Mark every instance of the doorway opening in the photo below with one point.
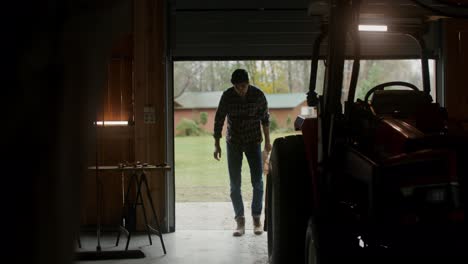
(202, 183)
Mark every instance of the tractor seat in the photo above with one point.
(401, 102)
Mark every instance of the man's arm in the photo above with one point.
(266, 133)
(218, 126)
(265, 120)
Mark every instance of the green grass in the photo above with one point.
(201, 178)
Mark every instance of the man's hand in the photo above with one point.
(217, 152)
(267, 147)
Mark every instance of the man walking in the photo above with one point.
(246, 109)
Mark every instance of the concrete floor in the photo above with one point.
(203, 235)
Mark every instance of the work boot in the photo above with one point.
(258, 230)
(240, 229)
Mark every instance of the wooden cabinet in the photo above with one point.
(117, 96)
(135, 81)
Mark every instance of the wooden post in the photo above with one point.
(149, 94)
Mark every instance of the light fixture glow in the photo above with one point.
(373, 28)
(111, 123)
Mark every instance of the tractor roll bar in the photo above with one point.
(312, 99)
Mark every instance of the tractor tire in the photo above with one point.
(290, 200)
(311, 256)
(268, 214)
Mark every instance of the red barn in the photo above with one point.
(281, 106)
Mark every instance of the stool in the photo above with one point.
(139, 178)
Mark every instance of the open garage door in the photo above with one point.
(211, 30)
(272, 29)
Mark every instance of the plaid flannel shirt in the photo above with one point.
(244, 116)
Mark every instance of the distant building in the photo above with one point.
(190, 104)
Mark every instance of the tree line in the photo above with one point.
(289, 76)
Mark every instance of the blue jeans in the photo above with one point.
(254, 158)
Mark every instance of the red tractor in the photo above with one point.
(378, 182)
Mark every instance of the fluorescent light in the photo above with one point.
(111, 123)
(374, 28)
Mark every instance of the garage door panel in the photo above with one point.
(245, 4)
(246, 22)
(269, 33)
